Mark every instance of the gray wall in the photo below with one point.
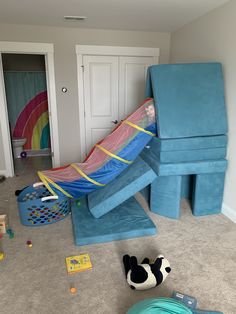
(64, 40)
(210, 38)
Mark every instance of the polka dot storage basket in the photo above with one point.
(38, 207)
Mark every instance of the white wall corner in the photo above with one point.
(229, 212)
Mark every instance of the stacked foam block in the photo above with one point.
(192, 140)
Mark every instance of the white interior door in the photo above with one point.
(100, 97)
(132, 81)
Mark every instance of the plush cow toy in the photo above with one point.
(145, 275)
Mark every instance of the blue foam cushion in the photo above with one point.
(190, 155)
(128, 220)
(189, 99)
(208, 194)
(135, 178)
(166, 196)
(183, 168)
(178, 144)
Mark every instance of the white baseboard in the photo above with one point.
(229, 212)
(38, 152)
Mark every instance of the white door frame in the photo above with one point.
(29, 48)
(82, 50)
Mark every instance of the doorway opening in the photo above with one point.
(27, 107)
(44, 52)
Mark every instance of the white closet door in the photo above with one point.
(100, 97)
(132, 80)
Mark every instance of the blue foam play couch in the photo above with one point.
(192, 137)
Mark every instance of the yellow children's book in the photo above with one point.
(78, 263)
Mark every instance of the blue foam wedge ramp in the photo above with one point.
(128, 220)
(135, 178)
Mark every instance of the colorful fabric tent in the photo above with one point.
(107, 159)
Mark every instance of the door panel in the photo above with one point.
(98, 134)
(100, 96)
(114, 86)
(132, 82)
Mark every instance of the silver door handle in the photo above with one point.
(115, 122)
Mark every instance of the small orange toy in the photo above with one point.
(73, 290)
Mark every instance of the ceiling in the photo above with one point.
(138, 15)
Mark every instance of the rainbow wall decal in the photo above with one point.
(33, 123)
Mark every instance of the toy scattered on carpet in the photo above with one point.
(29, 243)
(4, 226)
(10, 233)
(145, 275)
(188, 300)
(178, 304)
(2, 255)
(3, 223)
(73, 290)
(78, 263)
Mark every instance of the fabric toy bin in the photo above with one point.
(38, 207)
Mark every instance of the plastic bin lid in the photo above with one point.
(189, 99)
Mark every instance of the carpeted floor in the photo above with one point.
(201, 251)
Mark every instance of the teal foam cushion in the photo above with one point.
(183, 168)
(189, 99)
(190, 155)
(128, 220)
(136, 177)
(178, 144)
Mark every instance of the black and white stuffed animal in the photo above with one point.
(145, 275)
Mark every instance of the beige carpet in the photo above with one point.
(201, 251)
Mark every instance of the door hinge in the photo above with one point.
(82, 66)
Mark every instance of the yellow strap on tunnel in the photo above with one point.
(85, 175)
(45, 181)
(113, 155)
(138, 128)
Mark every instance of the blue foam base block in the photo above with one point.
(132, 180)
(208, 194)
(183, 168)
(128, 220)
(165, 196)
(191, 143)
